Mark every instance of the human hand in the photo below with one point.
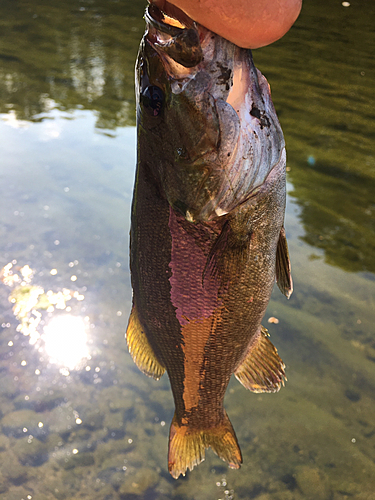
(247, 23)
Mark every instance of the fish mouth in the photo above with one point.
(177, 36)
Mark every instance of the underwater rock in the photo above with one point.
(15, 473)
(370, 354)
(364, 495)
(287, 495)
(81, 434)
(9, 388)
(313, 483)
(350, 489)
(162, 397)
(112, 463)
(3, 483)
(92, 419)
(17, 493)
(4, 443)
(116, 399)
(54, 443)
(353, 395)
(113, 452)
(83, 446)
(61, 486)
(30, 452)
(115, 425)
(39, 404)
(116, 479)
(113, 471)
(137, 484)
(76, 460)
(165, 489)
(24, 422)
(62, 420)
(104, 492)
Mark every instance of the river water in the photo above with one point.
(77, 418)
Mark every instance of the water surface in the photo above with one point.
(78, 420)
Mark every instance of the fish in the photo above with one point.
(207, 238)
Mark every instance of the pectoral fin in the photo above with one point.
(187, 446)
(140, 349)
(214, 263)
(228, 254)
(283, 269)
(262, 370)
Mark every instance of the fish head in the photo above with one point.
(206, 124)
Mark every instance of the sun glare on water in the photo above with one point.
(65, 340)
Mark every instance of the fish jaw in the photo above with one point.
(217, 131)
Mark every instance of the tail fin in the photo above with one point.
(187, 446)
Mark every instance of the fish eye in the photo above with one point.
(152, 99)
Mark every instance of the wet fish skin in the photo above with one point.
(207, 235)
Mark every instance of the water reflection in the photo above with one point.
(339, 217)
(88, 74)
(11, 120)
(326, 64)
(79, 55)
(82, 57)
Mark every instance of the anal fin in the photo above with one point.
(140, 349)
(283, 268)
(187, 446)
(262, 370)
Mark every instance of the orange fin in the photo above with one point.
(140, 349)
(187, 446)
(262, 370)
(283, 268)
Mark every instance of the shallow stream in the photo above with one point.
(77, 418)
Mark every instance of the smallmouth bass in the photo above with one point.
(207, 236)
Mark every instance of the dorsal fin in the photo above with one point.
(283, 268)
(140, 349)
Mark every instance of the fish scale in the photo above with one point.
(207, 237)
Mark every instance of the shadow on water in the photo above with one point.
(77, 418)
